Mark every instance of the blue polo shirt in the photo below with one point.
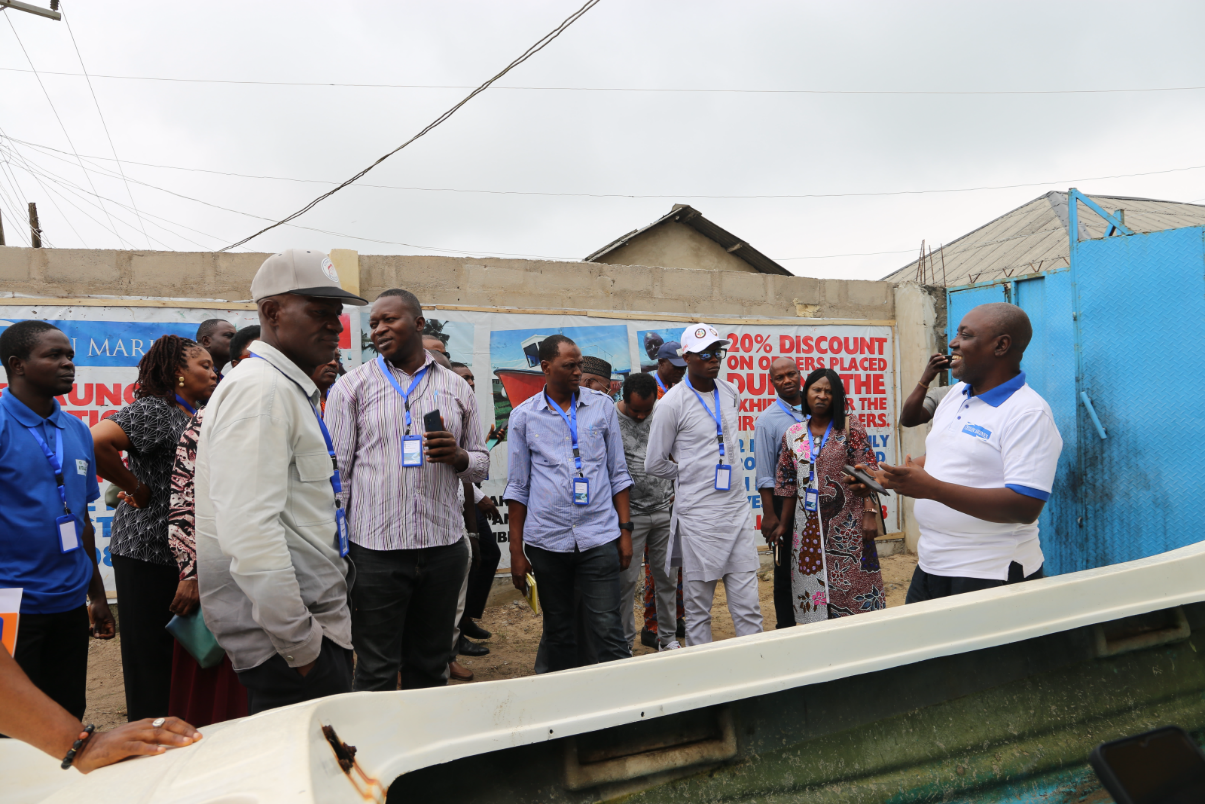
(30, 553)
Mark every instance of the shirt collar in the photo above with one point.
(542, 401)
(427, 360)
(1000, 394)
(287, 367)
(23, 414)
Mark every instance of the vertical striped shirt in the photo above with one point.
(391, 507)
(541, 470)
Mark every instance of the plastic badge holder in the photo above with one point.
(196, 638)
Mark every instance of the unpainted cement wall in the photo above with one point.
(490, 283)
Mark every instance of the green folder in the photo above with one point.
(196, 638)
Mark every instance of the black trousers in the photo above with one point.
(52, 649)
(144, 592)
(274, 684)
(404, 614)
(481, 579)
(931, 587)
(784, 602)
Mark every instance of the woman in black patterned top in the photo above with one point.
(175, 377)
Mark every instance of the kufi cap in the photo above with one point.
(597, 366)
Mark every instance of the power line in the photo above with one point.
(17, 153)
(59, 119)
(684, 90)
(546, 40)
(105, 125)
(868, 194)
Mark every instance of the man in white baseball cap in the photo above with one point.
(710, 536)
(271, 542)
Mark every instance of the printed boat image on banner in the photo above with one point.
(516, 360)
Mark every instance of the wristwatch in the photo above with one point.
(626, 526)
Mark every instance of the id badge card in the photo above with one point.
(341, 527)
(412, 451)
(811, 499)
(581, 491)
(70, 532)
(723, 477)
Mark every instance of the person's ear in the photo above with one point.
(269, 311)
(15, 367)
(420, 323)
(1004, 344)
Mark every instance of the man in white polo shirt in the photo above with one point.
(989, 465)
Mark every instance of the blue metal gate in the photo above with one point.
(1101, 354)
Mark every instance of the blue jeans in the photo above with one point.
(595, 573)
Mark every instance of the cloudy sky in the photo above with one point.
(854, 101)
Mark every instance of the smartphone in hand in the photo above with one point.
(1155, 767)
(433, 422)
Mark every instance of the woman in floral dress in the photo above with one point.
(834, 563)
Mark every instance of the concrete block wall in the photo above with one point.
(524, 284)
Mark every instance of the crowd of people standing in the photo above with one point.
(325, 530)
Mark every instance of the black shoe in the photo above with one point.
(648, 638)
(681, 632)
(466, 648)
(473, 630)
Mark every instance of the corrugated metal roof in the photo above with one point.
(1033, 238)
(689, 216)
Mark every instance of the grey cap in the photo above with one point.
(304, 273)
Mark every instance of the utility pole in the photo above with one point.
(1, 230)
(51, 13)
(35, 231)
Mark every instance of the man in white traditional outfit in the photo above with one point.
(693, 442)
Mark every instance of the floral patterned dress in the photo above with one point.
(834, 568)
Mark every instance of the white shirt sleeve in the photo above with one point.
(1030, 448)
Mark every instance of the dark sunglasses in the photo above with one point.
(718, 354)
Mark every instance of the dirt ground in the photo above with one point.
(516, 636)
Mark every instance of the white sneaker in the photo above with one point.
(671, 646)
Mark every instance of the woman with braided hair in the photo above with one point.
(175, 377)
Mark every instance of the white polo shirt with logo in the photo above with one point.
(1004, 438)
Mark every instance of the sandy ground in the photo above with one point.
(516, 636)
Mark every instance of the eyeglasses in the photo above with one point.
(718, 354)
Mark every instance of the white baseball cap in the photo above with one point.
(697, 337)
(304, 273)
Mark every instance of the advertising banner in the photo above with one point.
(500, 349)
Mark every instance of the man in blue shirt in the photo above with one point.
(47, 544)
(768, 430)
(567, 496)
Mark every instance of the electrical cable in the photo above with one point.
(546, 40)
(103, 124)
(700, 90)
(16, 152)
(55, 110)
(870, 194)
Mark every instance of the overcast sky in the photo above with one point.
(666, 147)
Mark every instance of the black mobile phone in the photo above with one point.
(864, 478)
(433, 422)
(1163, 766)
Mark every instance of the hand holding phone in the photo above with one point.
(862, 477)
(439, 445)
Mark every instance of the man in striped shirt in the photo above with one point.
(400, 490)
(567, 494)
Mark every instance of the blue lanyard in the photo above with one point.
(185, 405)
(719, 422)
(790, 411)
(55, 458)
(571, 423)
(336, 482)
(816, 452)
(660, 385)
(393, 381)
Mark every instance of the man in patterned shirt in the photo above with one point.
(400, 486)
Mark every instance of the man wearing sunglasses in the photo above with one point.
(693, 441)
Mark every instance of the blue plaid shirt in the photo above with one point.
(541, 471)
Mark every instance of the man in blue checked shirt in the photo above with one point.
(567, 495)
